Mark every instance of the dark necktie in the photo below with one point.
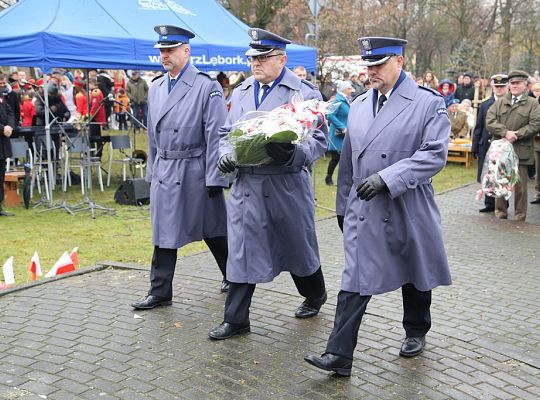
(171, 84)
(265, 89)
(381, 102)
(514, 100)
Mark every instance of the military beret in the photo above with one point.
(517, 74)
(499, 80)
(377, 50)
(172, 36)
(263, 42)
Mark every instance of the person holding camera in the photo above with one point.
(338, 126)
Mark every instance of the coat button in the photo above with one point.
(178, 183)
(383, 155)
(246, 194)
(386, 219)
(361, 218)
(411, 181)
(160, 181)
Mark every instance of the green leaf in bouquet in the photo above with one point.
(283, 137)
(251, 151)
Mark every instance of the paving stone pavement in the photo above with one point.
(77, 338)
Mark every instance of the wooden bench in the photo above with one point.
(11, 188)
(460, 153)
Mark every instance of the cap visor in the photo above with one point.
(167, 46)
(257, 52)
(370, 63)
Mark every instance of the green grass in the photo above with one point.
(126, 236)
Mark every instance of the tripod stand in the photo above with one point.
(63, 204)
(87, 161)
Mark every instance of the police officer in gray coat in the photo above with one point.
(397, 140)
(186, 110)
(271, 225)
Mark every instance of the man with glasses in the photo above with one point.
(516, 117)
(271, 225)
(397, 140)
(186, 110)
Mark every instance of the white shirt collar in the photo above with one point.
(386, 94)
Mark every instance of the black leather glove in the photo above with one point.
(280, 152)
(340, 219)
(370, 187)
(214, 191)
(227, 163)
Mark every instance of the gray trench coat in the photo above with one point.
(270, 218)
(395, 238)
(183, 146)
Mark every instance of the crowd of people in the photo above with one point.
(104, 97)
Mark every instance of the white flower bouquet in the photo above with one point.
(290, 123)
(500, 172)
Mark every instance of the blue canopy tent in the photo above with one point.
(118, 34)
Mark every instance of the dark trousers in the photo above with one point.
(489, 202)
(333, 163)
(2, 176)
(240, 294)
(351, 308)
(164, 263)
(122, 121)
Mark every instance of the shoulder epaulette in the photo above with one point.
(308, 83)
(432, 91)
(157, 77)
(362, 96)
(206, 74)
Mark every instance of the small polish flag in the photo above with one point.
(63, 265)
(35, 266)
(7, 269)
(75, 257)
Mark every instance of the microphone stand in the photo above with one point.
(48, 188)
(86, 160)
(46, 193)
(63, 204)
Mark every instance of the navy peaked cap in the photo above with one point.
(172, 36)
(377, 50)
(263, 42)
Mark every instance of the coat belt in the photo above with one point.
(176, 155)
(358, 181)
(269, 170)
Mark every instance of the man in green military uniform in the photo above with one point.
(516, 117)
(458, 120)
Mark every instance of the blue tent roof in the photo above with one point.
(118, 34)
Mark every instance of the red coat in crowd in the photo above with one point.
(28, 111)
(81, 103)
(97, 109)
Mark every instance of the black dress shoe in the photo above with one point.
(150, 302)
(536, 201)
(224, 286)
(310, 308)
(486, 209)
(412, 346)
(226, 330)
(331, 362)
(328, 180)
